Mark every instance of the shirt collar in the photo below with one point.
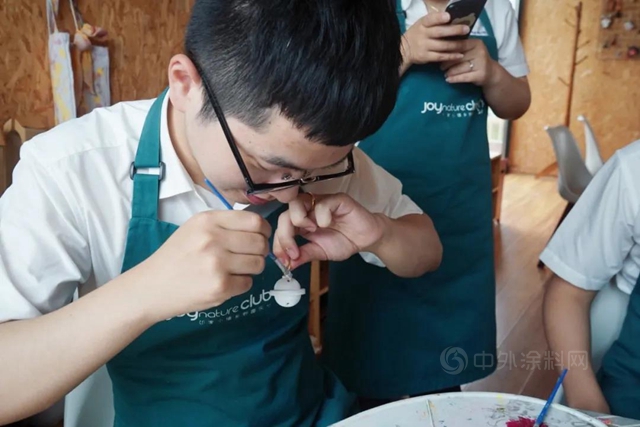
(176, 180)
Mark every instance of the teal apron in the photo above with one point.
(619, 376)
(386, 336)
(248, 362)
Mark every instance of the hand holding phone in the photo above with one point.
(476, 66)
(465, 12)
(429, 40)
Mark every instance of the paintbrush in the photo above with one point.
(547, 405)
(285, 271)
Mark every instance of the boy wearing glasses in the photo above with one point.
(271, 95)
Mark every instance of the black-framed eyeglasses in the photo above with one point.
(264, 188)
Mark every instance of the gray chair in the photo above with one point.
(573, 175)
(592, 157)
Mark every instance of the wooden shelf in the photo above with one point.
(318, 287)
(498, 170)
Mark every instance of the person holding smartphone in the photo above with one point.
(389, 337)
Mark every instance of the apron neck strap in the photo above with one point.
(402, 16)
(486, 23)
(147, 170)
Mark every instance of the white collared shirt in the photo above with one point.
(505, 28)
(64, 220)
(599, 240)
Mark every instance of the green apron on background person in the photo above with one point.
(386, 336)
(248, 362)
(619, 376)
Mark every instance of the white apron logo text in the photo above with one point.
(251, 305)
(454, 110)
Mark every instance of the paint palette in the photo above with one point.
(468, 410)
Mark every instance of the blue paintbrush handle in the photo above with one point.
(215, 191)
(285, 271)
(543, 413)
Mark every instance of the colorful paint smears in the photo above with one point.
(523, 422)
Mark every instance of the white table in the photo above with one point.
(471, 409)
(613, 421)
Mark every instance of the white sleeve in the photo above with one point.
(505, 25)
(371, 186)
(43, 253)
(591, 244)
(374, 188)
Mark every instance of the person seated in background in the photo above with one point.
(599, 242)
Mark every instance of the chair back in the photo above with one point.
(592, 158)
(573, 175)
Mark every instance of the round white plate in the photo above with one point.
(467, 409)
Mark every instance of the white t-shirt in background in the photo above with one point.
(600, 238)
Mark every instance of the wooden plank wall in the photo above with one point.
(606, 92)
(143, 35)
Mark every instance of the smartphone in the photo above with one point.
(465, 12)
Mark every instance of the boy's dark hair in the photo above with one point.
(330, 66)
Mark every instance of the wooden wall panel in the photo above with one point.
(24, 75)
(606, 92)
(622, 32)
(143, 35)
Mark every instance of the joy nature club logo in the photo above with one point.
(468, 109)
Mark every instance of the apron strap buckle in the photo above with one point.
(159, 171)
